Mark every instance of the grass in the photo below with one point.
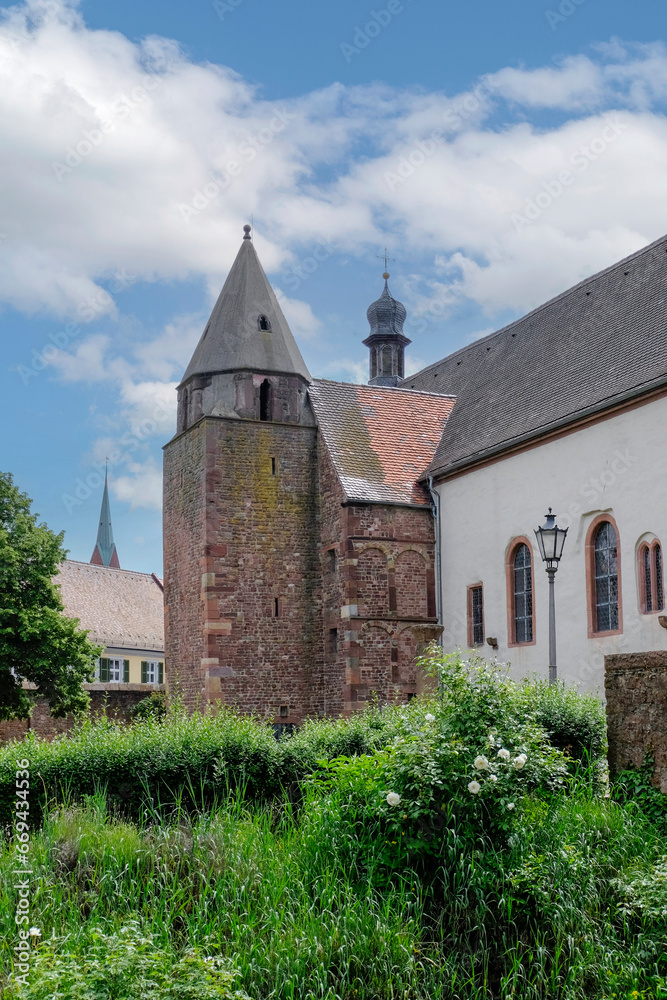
(258, 886)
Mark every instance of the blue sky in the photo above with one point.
(501, 152)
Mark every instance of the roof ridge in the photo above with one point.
(543, 305)
(112, 569)
(386, 388)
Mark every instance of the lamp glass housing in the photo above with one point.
(550, 540)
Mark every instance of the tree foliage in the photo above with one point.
(38, 643)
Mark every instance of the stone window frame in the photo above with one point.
(591, 593)
(509, 577)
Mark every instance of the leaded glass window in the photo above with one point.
(659, 584)
(477, 615)
(606, 578)
(523, 595)
(648, 586)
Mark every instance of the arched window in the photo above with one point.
(523, 594)
(265, 400)
(651, 580)
(387, 361)
(263, 323)
(605, 567)
(374, 362)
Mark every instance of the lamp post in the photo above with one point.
(551, 539)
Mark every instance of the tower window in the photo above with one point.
(387, 361)
(331, 556)
(273, 466)
(333, 641)
(265, 400)
(276, 607)
(263, 323)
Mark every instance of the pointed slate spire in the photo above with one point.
(105, 553)
(247, 329)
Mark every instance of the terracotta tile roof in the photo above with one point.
(380, 440)
(121, 609)
(598, 344)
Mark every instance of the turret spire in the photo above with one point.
(105, 553)
(386, 340)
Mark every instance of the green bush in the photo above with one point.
(152, 707)
(121, 966)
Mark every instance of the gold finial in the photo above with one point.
(385, 275)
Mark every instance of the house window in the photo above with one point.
(475, 615)
(651, 581)
(606, 578)
(522, 602)
(112, 670)
(152, 672)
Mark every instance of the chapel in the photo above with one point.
(318, 534)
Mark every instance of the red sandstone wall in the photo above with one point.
(260, 546)
(636, 692)
(184, 558)
(117, 705)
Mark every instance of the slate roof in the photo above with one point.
(600, 343)
(380, 440)
(121, 609)
(232, 340)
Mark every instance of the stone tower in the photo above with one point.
(240, 510)
(386, 341)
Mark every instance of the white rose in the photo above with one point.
(510, 805)
(519, 762)
(481, 763)
(504, 754)
(492, 777)
(393, 798)
(474, 787)
(429, 717)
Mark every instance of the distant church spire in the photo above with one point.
(105, 553)
(386, 341)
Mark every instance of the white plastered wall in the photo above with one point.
(617, 465)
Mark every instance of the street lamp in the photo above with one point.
(551, 539)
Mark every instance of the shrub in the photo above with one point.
(152, 707)
(122, 966)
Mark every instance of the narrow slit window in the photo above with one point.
(331, 556)
(265, 400)
(333, 641)
(475, 615)
(276, 607)
(273, 466)
(659, 579)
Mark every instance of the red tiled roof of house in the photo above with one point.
(120, 608)
(381, 440)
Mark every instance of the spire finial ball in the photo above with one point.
(246, 230)
(385, 275)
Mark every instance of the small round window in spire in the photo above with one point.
(263, 323)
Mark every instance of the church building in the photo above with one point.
(318, 534)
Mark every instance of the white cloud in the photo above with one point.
(140, 485)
